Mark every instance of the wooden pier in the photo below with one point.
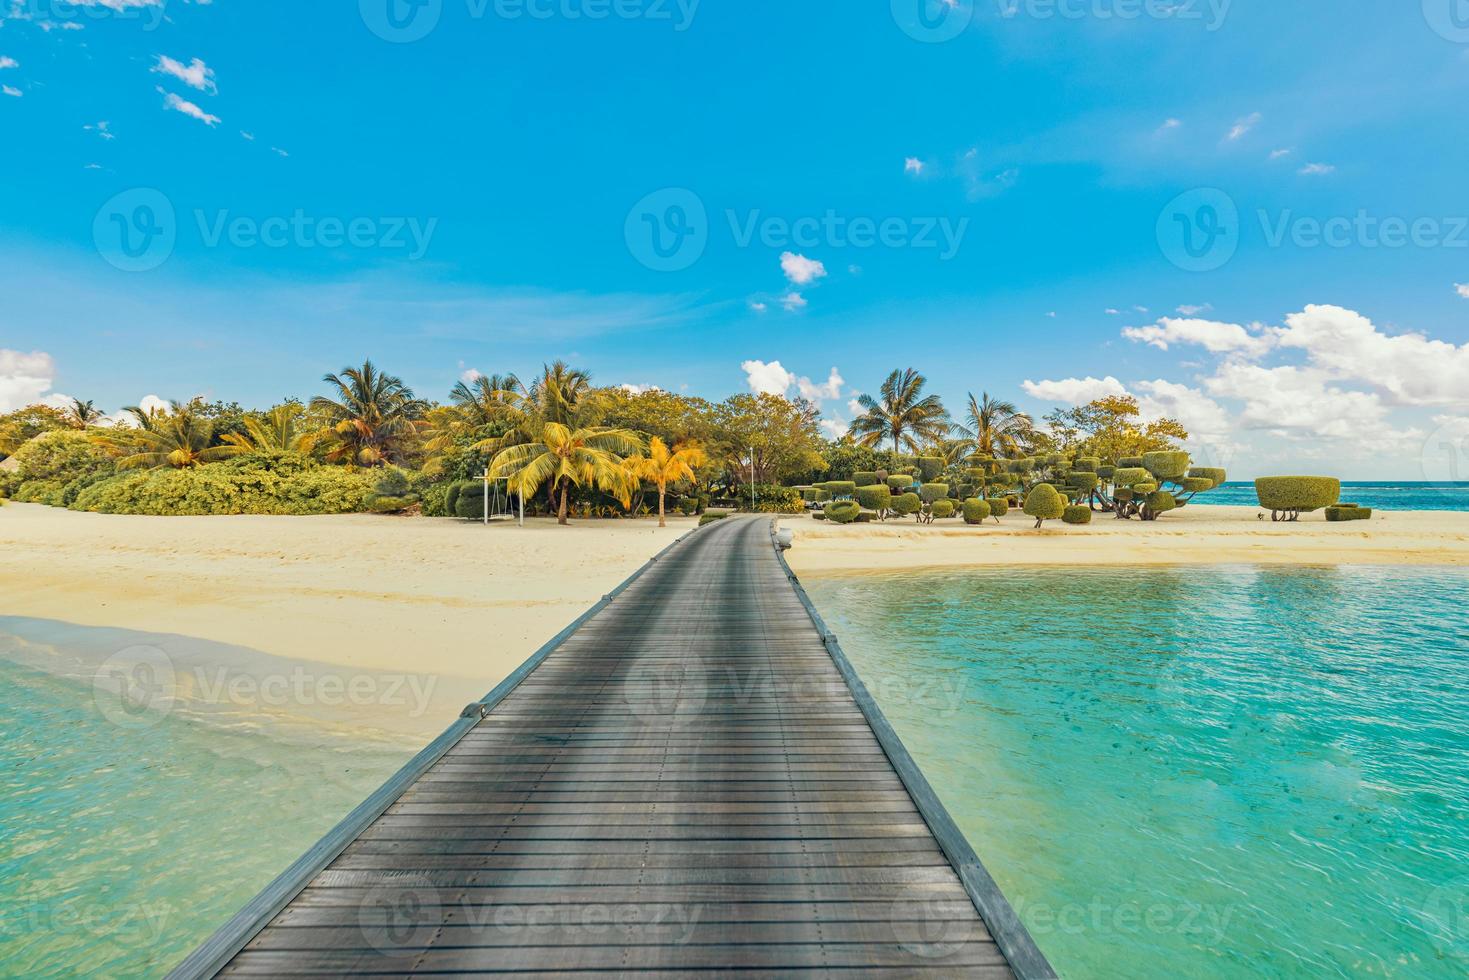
(688, 779)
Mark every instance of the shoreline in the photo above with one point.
(418, 616)
(1214, 535)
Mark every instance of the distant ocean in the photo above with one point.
(1380, 495)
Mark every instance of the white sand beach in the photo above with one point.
(453, 601)
(1192, 536)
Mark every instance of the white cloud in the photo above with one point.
(248, 136)
(1188, 310)
(831, 388)
(913, 165)
(854, 406)
(1215, 337)
(1462, 289)
(26, 379)
(834, 428)
(801, 270)
(767, 379)
(1170, 124)
(196, 74)
(6, 62)
(1074, 391)
(1279, 154)
(1243, 126)
(1052, 314)
(279, 152)
(1112, 312)
(1299, 401)
(1317, 170)
(171, 101)
(639, 389)
(101, 129)
(759, 307)
(13, 92)
(1206, 420)
(793, 302)
(469, 376)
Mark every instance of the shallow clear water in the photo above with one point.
(1196, 772)
(122, 847)
(1380, 495)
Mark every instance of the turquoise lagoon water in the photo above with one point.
(122, 847)
(1194, 773)
(1380, 495)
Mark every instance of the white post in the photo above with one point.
(487, 496)
(521, 498)
(752, 479)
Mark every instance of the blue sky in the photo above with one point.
(323, 185)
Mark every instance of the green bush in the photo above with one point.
(899, 481)
(470, 502)
(1020, 465)
(393, 492)
(1130, 462)
(876, 497)
(841, 488)
(864, 478)
(1087, 464)
(49, 464)
(772, 498)
(1293, 495)
(929, 467)
(1196, 484)
(1044, 503)
(1130, 476)
(843, 511)
(1158, 502)
(1123, 494)
(436, 499)
(975, 511)
(1167, 466)
(48, 492)
(218, 490)
(908, 503)
(818, 515)
(688, 506)
(1083, 480)
(1348, 512)
(451, 499)
(1214, 475)
(1106, 472)
(943, 508)
(1144, 489)
(1077, 514)
(999, 507)
(931, 492)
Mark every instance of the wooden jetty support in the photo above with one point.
(690, 778)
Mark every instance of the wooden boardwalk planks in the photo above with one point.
(691, 780)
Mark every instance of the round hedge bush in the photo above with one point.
(1130, 476)
(929, 467)
(1087, 464)
(943, 508)
(877, 497)
(1217, 476)
(1077, 514)
(1160, 502)
(1166, 465)
(932, 492)
(841, 488)
(865, 478)
(975, 510)
(1130, 462)
(843, 511)
(999, 506)
(907, 503)
(1297, 494)
(1083, 480)
(1196, 484)
(900, 481)
(1044, 503)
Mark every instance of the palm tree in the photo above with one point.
(564, 457)
(997, 428)
(278, 431)
(487, 399)
(902, 413)
(82, 414)
(663, 466)
(179, 438)
(371, 418)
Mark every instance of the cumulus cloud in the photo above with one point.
(177, 104)
(800, 270)
(26, 379)
(831, 388)
(1317, 170)
(767, 378)
(793, 302)
(7, 62)
(834, 428)
(1213, 336)
(196, 74)
(913, 165)
(14, 93)
(639, 389)
(1243, 126)
(1074, 391)
(1462, 289)
(1188, 310)
(1299, 401)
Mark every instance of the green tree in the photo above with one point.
(22, 425)
(280, 430)
(1111, 428)
(179, 438)
(663, 466)
(373, 418)
(562, 457)
(997, 428)
(902, 413)
(766, 438)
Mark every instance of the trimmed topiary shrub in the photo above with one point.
(710, 516)
(931, 492)
(1214, 475)
(688, 506)
(1077, 514)
(875, 498)
(818, 515)
(843, 511)
(1167, 466)
(900, 481)
(1196, 484)
(1083, 480)
(1158, 502)
(999, 507)
(929, 467)
(943, 508)
(1044, 503)
(975, 510)
(1129, 476)
(1348, 512)
(1288, 497)
(865, 478)
(393, 493)
(841, 489)
(1087, 464)
(1130, 462)
(907, 503)
(469, 503)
